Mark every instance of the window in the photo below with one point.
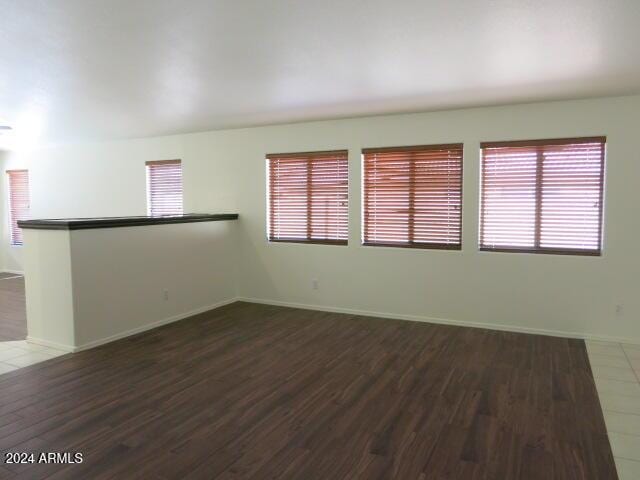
(18, 202)
(164, 188)
(413, 196)
(308, 197)
(543, 196)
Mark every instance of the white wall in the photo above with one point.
(49, 287)
(87, 286)
(10, 255)
(225, 171)
(522, 291)
(120, 275)
(108, 179)
(3, 217)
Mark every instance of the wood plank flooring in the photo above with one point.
(13, 319)
(260, 392)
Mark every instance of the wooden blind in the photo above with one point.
(19, 202)
(164, 187)
(543, 196)
(413, 196)
(308, 197)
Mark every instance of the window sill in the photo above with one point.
(342, 243)
(444, 247)
(581, 253)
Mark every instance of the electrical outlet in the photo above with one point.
(619, 310)
(315, 284)
(165, 294)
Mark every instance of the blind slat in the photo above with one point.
(19, 203)
(543, 196)
(308, 197)
(164, 187)
(413, 196)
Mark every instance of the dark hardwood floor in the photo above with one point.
(13, 319)
(259, 392)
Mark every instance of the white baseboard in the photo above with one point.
(323, 308)
(445, 321)
(151, 326)
(128, 333)
(47, 343)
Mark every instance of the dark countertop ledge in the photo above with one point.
(115, 222)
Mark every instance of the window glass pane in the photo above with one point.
(543, 196)
(308, 197)
(164, 188)
(413, 196)
(19, 203)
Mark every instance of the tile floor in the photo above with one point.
(616, 370)
(19, 353)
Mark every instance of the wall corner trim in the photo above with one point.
(47, 343)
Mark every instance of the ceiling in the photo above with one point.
(78, 70)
